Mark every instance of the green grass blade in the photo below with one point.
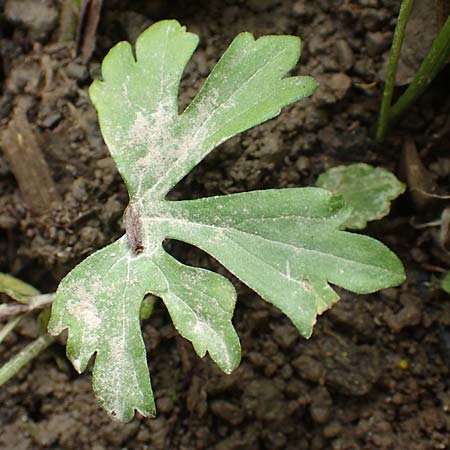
(397, 40)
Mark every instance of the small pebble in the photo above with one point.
(377, 42)
(345, 55)
(331, 430)
(77, 71)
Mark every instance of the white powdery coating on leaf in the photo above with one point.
(164, 149)
(84, 309)
(154, 132)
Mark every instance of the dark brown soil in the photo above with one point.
(375, 374)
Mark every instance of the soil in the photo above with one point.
(375, 374)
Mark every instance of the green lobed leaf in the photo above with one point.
(284, 244)
(201, 305)
(99, 301)
(138, 110)
(368, 190)
(445, 282)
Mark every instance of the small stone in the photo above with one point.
(7, 222)
(111, 210)
(144, 435)
(302, 164)
(79, 189)
(320, 408)
(301, 10)
(409, 316)
(77, 71)
(227, 411)
(270, 369)
(285, 336)
(441, 167)
(309, 368)
(202, 64)
(353, 316)
(332, 88)
(257, 359)
(28, 329)
(332, 430)
(315, 119)
(286, 372)
(296, 388)
(89, 236)
(38, 16)
(329, 64)
(350, 369)
(372, 19)
(315, 44)
(344, 55)
(159, 429)
(326, 28)
(196, 399)
(339, 84)
(364, 68)
(106, 163)
(164, 405)
(390, 294)
(418, 255)
(95, 70)
(319, 413)
(378, 42)
(264, 401)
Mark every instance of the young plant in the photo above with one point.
(368, 190)
(433, 63)
(28, 299)
(285, 244)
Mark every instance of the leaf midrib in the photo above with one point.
(171, 221)
(156, 188)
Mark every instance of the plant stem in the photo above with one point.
(397, 40)
(9, 327)
(430, 67)
(22, 358)
(68, 20)
(37, 302)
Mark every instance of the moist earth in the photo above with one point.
(375, 374)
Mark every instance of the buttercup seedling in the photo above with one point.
(287, 245)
